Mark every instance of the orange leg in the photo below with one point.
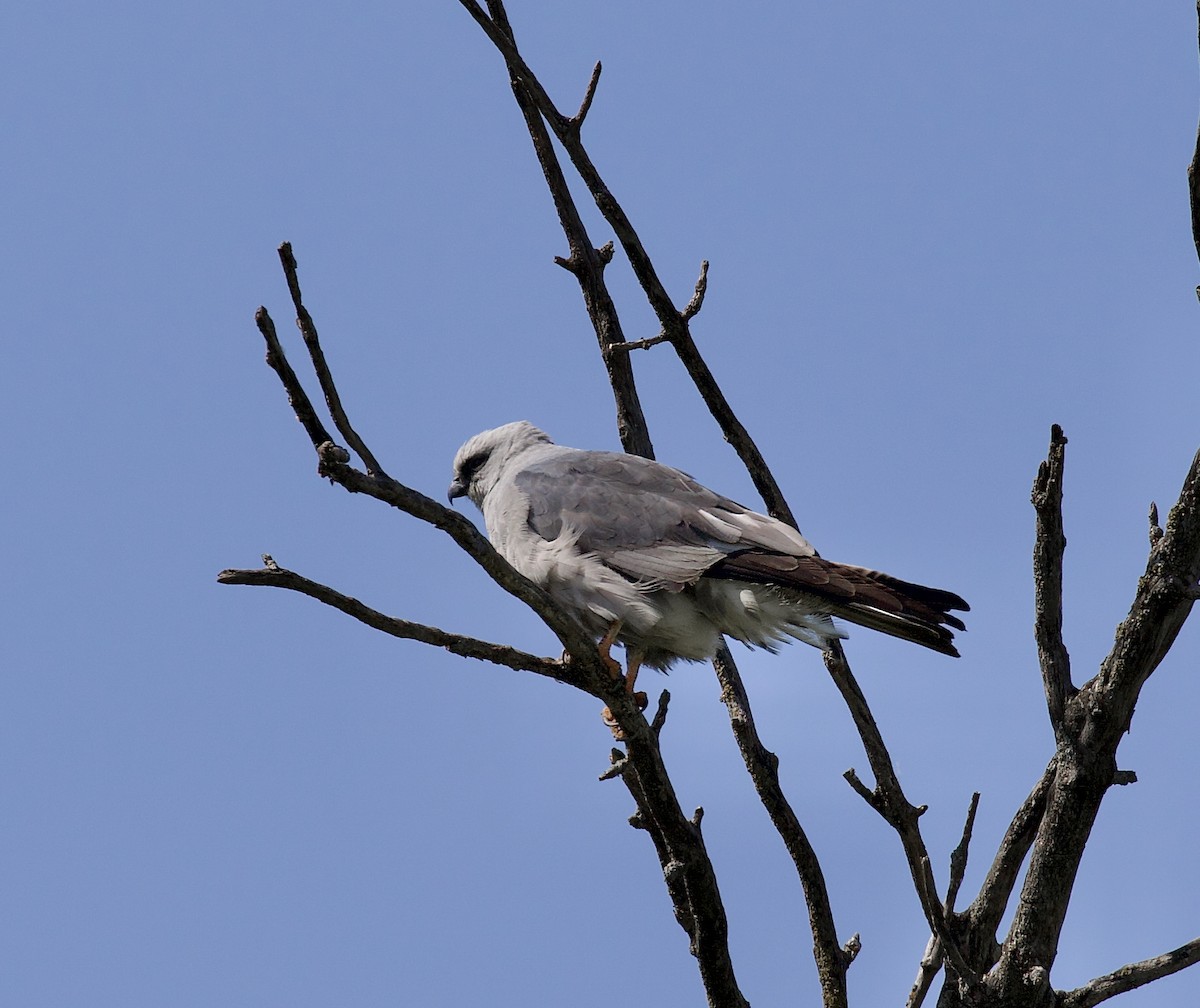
(605, 648)
(633, 664)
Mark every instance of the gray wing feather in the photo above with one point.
(649, 521)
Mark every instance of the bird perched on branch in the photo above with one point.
(644, 555)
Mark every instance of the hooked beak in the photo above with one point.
(457, 489)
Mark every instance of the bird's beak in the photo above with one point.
(456, 490)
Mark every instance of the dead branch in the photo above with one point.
(897, 811)
(333, 465)
(1053, 824)
(763, 765)
(1095, 720)
(983, 916)
(691, 880)
(586, 263)
(333, 400)
(1132, 976)
(1049, 546)
(275, 576)
(673, 321)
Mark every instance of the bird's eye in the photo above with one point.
(471, 465)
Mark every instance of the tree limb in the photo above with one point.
(889, 801)
(763, 765)
(1049, 545)
(673, 321)
(1095, 721)
(586, 263)
(332, 464)
(275, 576)
(1193, 176)
(986, 911)
(332, 399)
(1134, 975)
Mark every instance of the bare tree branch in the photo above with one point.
(586, 262)
(1053, 824)
(1193, 176)
(297, 397)
(691, 881)
(763, 765)
(578, 118)
(332, 464)
(1048, 549)
(692, 308)
(983, 917)
(927, 970)
(889, 801)
(1134, 975)
(931, 960)
(686, 867)
(1095, 720)
(958, 856)
(673, 322)
(468, 647)
(309, 331)
(689, 873)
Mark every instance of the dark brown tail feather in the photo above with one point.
(869, 598)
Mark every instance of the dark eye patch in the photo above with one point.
(470, 466)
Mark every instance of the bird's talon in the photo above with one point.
(610, 722)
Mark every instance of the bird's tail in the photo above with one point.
(869, 598)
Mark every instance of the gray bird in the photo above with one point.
(643, 554)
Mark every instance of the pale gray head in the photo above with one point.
(478, 463)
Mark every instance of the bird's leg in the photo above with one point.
(633, 665)
(633, 659)
(605, 649)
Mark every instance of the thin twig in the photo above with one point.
(309, 331)
(642, 344)
(958, 857)
(692, 309)
(931, 960)
(578, 118)
(660, 714)
(298, 399)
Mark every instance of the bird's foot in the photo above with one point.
(610, 722)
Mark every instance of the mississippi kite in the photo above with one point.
(643, 554)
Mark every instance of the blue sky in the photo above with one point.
(934, 231)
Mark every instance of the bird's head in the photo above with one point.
(479, 462)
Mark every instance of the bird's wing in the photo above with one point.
(652, 523)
